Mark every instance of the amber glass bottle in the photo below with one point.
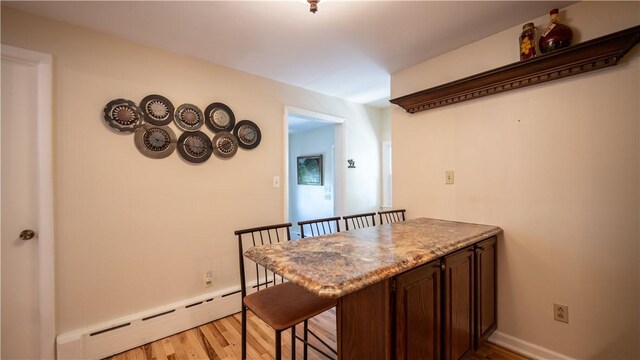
(556, 36)
(528, 42)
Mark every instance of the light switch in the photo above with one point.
(276, 182)
(448, 177)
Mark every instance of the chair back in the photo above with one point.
(391, 216)
(257, 275)
(319, 227)
(359, 221)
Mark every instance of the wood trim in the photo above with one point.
(591, 55)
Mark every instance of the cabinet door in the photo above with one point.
(486, 267)
(459, 305)
(418, 313)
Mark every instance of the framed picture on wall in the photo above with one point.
(310, 170)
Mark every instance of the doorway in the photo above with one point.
(313, 176)
(28, 313)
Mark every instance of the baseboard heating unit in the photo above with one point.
(113, 337)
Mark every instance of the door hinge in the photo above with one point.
(393, 285)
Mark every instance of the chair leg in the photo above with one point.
(278, 348)
(293, 342)
(306, 338)
(244, 332)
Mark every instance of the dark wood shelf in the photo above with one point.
(594, 54)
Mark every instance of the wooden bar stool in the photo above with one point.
(391, 216)
(359, 221)
(279, 303)
(320, 226)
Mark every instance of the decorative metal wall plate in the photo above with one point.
(194, 146)
(189, 117)
(219, 117)
(248, 134)
(158, 110)
(156, 142)
(225, 144)
(123, 115)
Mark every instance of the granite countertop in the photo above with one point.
(338, 264)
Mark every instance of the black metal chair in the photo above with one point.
(391, 216)
(279, 303)
(320, 226)
(359, 221)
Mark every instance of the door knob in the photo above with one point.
(27, 234)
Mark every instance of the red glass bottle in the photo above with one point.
(556, 36)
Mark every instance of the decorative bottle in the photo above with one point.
(528, 42)
(556, 36)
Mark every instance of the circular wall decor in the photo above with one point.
(156, 142)
(189, 117)
(194, 146)
(158, 110)
(123, 115)
(219, 117)
(225, 144)
(248, 134)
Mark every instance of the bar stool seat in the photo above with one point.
(280, 304)
(269, 306)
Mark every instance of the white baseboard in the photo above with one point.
(113, 337)
(525, 348)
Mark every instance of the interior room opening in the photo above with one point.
(312, 176)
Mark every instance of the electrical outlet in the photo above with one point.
(448, 177)
(208, 279)
(561, 313)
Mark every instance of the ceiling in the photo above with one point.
(348, 49)
(301, 123)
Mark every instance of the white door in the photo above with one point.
(19, 211)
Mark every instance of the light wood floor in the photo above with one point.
(221, 340)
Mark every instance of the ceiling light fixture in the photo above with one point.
(313, 5)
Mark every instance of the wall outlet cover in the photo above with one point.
(561, 313)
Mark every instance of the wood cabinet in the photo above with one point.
(441, 310)
(418, 313)
(486, 289)
(459, 305)
(365, 316)
(446, 308)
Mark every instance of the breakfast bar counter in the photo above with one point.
(380, 274)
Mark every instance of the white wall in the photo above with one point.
(386, 123)
(134, 233)
(557, 167)
(363, 184)
(307, 202)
